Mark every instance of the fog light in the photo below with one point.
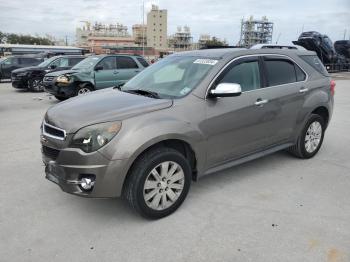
(87, 183)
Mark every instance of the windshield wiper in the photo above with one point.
(143, 92)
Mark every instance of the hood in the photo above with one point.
(101, 106)
(63, 72)
(27, 69)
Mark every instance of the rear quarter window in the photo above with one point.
(316, 63)
(142, 61)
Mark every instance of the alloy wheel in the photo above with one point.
(163, 185)
(313, 137)
(83, 91)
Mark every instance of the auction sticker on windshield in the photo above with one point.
(205, 61)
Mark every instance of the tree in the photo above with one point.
(11, 38)
(215, 42)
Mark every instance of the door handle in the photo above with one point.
(137, 71)
(115, 72)
(303, 90)
(261, 102)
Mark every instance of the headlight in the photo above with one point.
(92, 138)
(63, 79)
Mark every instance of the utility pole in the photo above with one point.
(143, 27)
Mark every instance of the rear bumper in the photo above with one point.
(71, 165)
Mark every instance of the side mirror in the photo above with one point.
(98, 68)
(226, 90)
(53, 66)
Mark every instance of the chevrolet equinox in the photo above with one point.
(188, 115)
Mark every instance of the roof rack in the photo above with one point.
(272, 46)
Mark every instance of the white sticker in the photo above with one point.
(205, 61)
(185, 90)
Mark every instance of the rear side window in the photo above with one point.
(28, 61)
(124, 62)
(280, 71)
(316, 63)
(246, 74)
(142, 61)
(301, 76)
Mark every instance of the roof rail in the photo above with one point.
(273, 46)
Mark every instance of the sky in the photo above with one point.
(217, 18)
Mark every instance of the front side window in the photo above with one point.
(280, 72)
(246, 74)
(74, 61)
(124, 62)
(172, 77)
(108, 63)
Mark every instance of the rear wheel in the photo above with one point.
(158, 182)
(36, 85)
(310, 139)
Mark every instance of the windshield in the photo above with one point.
(87, 63)
(47, 62)
(172, 77)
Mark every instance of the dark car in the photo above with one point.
(11, 63)
(32, 77)
(319, 43)
(94, 72)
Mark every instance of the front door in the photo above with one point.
(237, 126)
(107, 74)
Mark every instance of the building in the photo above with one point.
(181, 40)
(202, 41)
(157, 27)
(139, 33)
(97, 36)
(255, 32)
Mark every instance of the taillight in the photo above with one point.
(332, 87)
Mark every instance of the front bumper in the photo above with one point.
(67, 168)
(57, 90)
(19, 82)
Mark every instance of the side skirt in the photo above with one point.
(235, 162)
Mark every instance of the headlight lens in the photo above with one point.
(63, 79)
(92, 138)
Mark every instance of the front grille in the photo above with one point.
(49, 152)
(54, 132)
(48, 78)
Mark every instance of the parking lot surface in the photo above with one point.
(277, 208)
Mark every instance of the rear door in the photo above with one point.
(127, 68)
(285, 91)
(107, 76)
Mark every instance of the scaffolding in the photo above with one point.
(182, 39)
(255, 32)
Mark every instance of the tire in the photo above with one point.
(83, 89)
(136, 190)
(61, 98)
(36, 85)
(300, 149)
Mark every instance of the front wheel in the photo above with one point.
(158, 182)
(36, 85)
(83, 89)
(310, 139)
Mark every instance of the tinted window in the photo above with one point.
(142, 61)
(28, 61)
(74, 61)
(280, 72)
(315, 62)
(301, 76)
(124, 62)
(108, 63)
(246, 74)
(61, 62)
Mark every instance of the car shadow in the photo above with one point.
(119, 209)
